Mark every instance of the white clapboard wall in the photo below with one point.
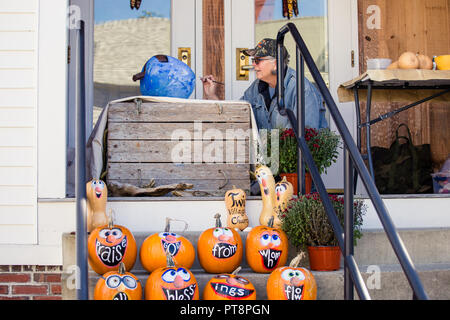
(18, 121)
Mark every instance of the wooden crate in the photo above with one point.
(205, 144)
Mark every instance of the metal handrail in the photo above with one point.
(80, 170)
(352, 158)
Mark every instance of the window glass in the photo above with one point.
(124, 39)
(311, 23)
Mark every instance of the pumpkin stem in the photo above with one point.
(122, 268)
(270, 222)
(167, 228)
(169, 260)
(296, 261)
(218, 222)
(235, 272)
(284, 179)
(111, 219)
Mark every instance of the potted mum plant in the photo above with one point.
(322, 143)
(306, 224)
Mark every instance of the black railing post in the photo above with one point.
(80, 172)
(300, 118)
(355, 155)
(348, 223)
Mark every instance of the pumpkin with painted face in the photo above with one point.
(267, 186)
(155, 247)
(266, 248)
(229, 287)
(283, 192)
(171, 283)
(109, 245)
(291, 283)
(96, 194)
(219, 249)
(118, 285)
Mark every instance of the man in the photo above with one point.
(262, 93)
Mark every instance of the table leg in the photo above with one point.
(368, 107)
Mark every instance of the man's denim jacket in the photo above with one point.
(271, 119)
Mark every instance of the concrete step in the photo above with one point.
(429, 250)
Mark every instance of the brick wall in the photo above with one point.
(30, 282)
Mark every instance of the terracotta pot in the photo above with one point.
(292, 178)
(324, 258)
(308, 182)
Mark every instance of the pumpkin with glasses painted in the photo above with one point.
(109, 245)
(171, 283)
(292, 283)
(154, 248)
(118, 285)
(219, 249)
(227, 286)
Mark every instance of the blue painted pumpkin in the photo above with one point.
(166, 76)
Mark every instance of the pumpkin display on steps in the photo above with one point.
(235, 204)
(109, 245)
(284, 192)
(96, 194)
(171, 282)
(227, 286)
(118, 285)
(267, 185)
(291, 283)
(155, 247)
(219, 249)
(266, 248)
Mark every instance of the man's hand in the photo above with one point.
(209, 88)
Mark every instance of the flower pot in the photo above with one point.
(292, 178)
(324, 258)
(308, 182)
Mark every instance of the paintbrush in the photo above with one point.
(218, 82)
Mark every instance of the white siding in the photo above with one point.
(18, 121)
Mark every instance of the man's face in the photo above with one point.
(263, 67)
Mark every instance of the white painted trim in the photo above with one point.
(51, 92)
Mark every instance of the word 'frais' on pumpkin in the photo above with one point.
(267, 186)
(109, 245)
(171, 283)
(118, 285)
(97, 195)
(227, 286)
(291, 283)
(266, 248)
(235, 204)
(284, 192)
(155, 247)
(219, 249)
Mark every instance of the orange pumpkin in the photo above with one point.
(118, 285)
(154, 248)
(266, 248)
(171, 283)
(229, 287)
(291, 283)
(109, 245)
(219, 249)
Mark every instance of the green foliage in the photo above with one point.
(323, 145)
(306, 222)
